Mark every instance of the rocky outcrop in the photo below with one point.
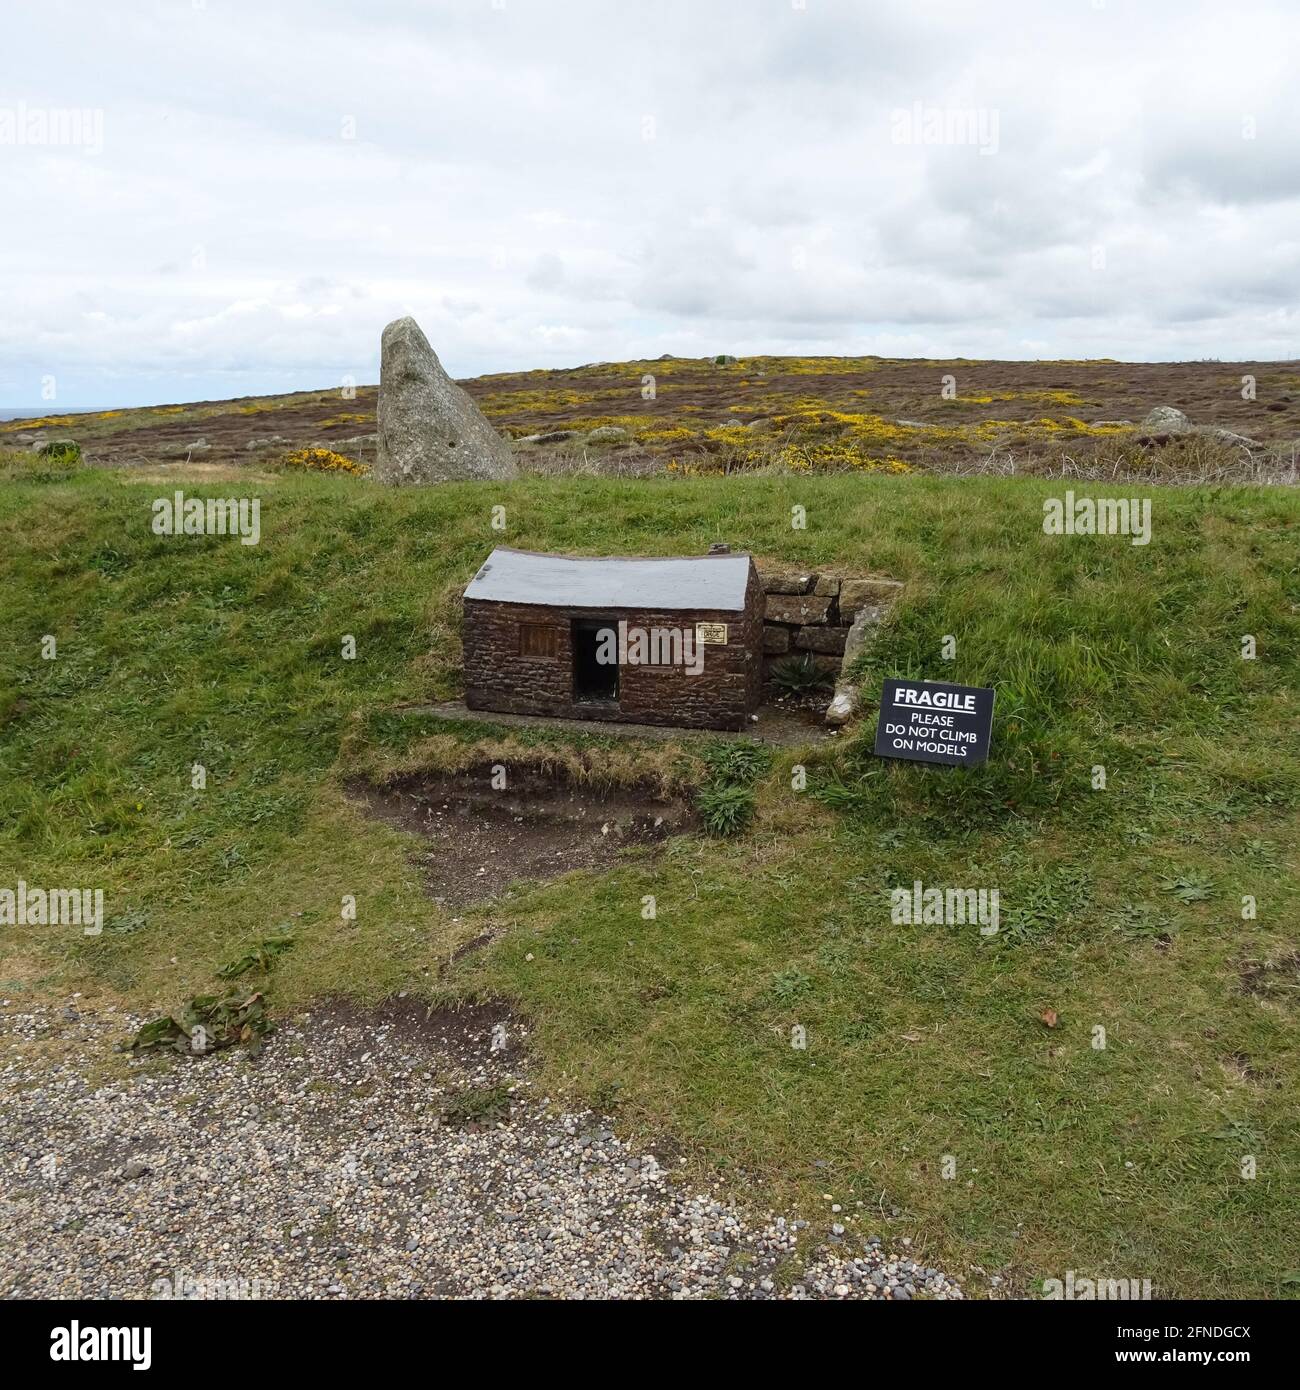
(268, 444)
(1164, 419)
(182, 449)
(603, 436)
(429, 429)
(1230, 437)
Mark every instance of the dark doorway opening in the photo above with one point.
(595, 681)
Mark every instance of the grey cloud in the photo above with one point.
(501, 185)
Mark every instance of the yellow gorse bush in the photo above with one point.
(349, 417)
(834, 455)
(539, 403)
(325, 461)
(672, 434)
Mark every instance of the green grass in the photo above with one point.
(725, 810)
(1121, 908)
(725, 799)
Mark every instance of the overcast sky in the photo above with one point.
(210, 198)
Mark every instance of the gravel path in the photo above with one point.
(324, 1168)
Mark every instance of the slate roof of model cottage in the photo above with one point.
(563, 581)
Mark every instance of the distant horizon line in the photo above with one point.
(10, 413)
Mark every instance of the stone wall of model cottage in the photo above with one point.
(498, 676)
(810, 613)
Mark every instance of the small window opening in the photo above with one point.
(537, 640)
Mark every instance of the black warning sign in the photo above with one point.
(933, 722)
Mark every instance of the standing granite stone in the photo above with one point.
(429, 429)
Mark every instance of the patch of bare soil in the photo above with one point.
(805, 708)
(538, 826)
(1273, 979)
(406, 1021)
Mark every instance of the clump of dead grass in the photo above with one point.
(669, 768)
(1190, 460)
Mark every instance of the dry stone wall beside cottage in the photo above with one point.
(810, 613)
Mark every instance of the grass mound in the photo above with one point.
(1138, 817)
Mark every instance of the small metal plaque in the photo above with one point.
(714, 633)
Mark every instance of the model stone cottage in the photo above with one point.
(654, 641)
